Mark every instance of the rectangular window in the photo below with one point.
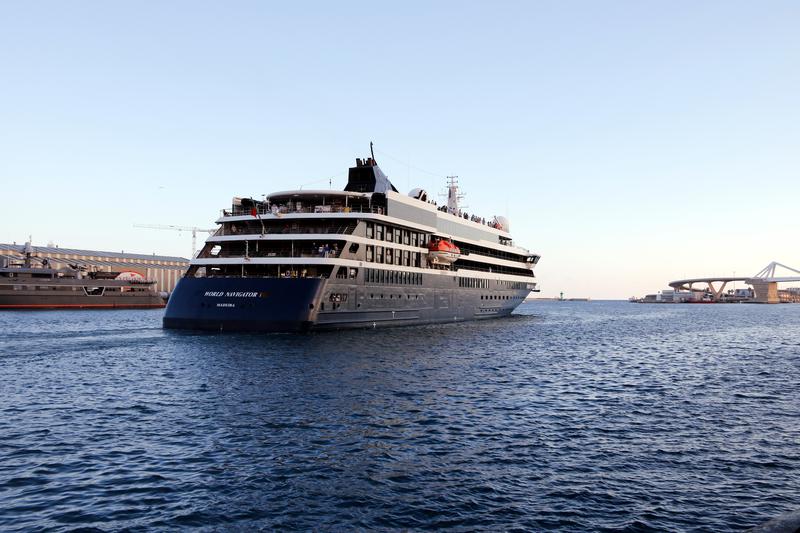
(370, 230)
(389, 233)
(398, 236)
(379, 232)
(414, 238)
(370, 253)
(389, 256)
(379, 254)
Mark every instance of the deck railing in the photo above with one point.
(288, 209)
(343, 229)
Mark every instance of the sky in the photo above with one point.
(629, 143)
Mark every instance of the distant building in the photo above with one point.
(789, 295)
(165, 270)
(669, 296)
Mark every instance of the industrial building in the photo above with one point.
(165, 270)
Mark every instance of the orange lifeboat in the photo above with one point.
(441, 251)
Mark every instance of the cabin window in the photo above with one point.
(406, 238)
(370, 253)
(379, 254)
(354, 248)
(389, 233)
(370, 230)
(389, 256)
(353, 273)
(398, 236)
(398, 257)
(414, 238)
(379, 231)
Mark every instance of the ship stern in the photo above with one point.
(243, 304)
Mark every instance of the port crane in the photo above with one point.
(172, 227)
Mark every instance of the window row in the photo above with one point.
(385, 232)
(514, 284)
(392, 277)
(390, 256)
(500, 297)
(374, 296)
(473, 283)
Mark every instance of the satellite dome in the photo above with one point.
(502, 222)
(129, 275)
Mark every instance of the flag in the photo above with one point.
(254, 212)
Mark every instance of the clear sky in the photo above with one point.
(630, 143)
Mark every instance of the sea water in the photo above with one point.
(574, 416)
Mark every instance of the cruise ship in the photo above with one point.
(364, 257)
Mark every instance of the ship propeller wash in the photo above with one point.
(367, 256)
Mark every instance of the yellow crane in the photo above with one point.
(172, 227)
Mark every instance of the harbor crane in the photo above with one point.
(172, 227)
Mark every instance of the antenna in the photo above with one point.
(371, 151)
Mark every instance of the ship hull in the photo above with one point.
(243, 304)
(304, 304)
(71, 301)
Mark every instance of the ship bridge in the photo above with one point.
(764, 283)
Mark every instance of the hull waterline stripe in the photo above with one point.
(83, 306)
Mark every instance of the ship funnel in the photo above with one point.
(367, 176)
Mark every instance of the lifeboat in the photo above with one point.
(442, 252)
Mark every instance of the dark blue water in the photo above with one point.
(568, 416)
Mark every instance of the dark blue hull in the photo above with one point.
(243, 304)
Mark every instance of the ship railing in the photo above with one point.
(345, 229)
(264, 275)
(287, 209)
(494, 270)
(332, 254)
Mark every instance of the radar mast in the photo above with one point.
(453, 195)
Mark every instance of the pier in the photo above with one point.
(764, 284)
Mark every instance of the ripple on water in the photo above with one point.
(574, 417)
